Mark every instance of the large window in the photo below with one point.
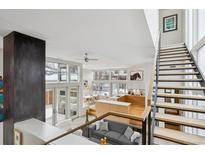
(101, 89)
(58, 72)
(51, 71)
(62, 72)
(101, 75)
(74, 73)
(119, 89)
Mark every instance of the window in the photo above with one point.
(101, 75)
(51, 71)
(74, 73)
(119, 89)
(62, 72)
(122, 88)
(119, 75)
(101, 89)
(114, 75)
(122, 75)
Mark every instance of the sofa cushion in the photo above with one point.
(113, 135)
(103, 126)
(128, 132)
(124, 140)
(134, 136)
(116, 126)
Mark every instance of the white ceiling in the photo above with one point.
(119, 38)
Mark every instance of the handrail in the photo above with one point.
(198, 45)
(156, 73)
(121, 115)
(150, 93)
(197, 66)
(146, 113)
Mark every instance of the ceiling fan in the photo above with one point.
(86, 59)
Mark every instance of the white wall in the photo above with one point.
(1, 73)
(87, 75)
(147, 68)
(152, 18)
(172, 37)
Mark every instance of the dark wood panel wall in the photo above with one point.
(24, 80)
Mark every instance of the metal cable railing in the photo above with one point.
(154, 109)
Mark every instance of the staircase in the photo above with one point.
(173, 64)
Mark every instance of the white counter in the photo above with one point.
(35, 131)
(73, 139)
(114, 102)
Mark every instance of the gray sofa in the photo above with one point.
(115, 135)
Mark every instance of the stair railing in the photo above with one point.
(156, 73)
(193, 54)
(142, 118)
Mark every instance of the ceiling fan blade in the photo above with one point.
(79, 58)
(92, 59)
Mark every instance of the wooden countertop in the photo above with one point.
(113, 102)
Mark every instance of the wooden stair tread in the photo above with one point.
(178, 73)
(175, 59)
(163, 50)
(181, 96)
(196, 123)
(181, 87)
(180, 80)
(178, 136)
(173, 56)
(177, 68)
(179, 63)
(182, 107)
(173, 53)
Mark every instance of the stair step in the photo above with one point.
(177, 68)
(181, 96)
(174, 53)
(175, 59)
(180, 80)
(178, 73)
(172, 49)
(179, 63)
(181, 107)
(196, 123)
(178, 136)
(173, 45)
(174, 56)
(181, 88)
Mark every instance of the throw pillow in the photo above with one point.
(103, 126)
(134, 136)
(98, 124)
(128, 132)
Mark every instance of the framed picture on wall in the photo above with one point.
(137, 75)
(170, 23)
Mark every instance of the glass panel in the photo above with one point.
(201, 62)
(114, 89)
(122, 88)
(51, 71)
(201, 24)
(62, 72)
(104, 75)
(122, 75)
(74, 73)
(49, 105)
(74, 101)
(114, 75)
(61, 107)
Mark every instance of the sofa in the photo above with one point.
(115, 134)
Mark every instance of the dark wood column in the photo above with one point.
(24, 80)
